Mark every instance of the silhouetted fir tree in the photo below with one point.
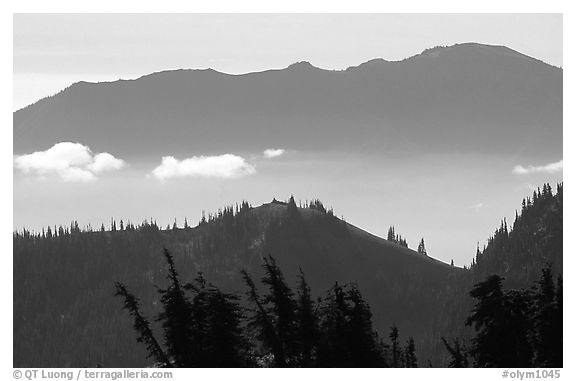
(363, 341)
(289, 328)
(333, 347)
(227, 346)
(410, 360)
(217, 333)
(177, 318)
(292, 210)
(396, 238)
(517, 328)
(307, 332)
(558, 332)
(486, 318)
(391, 234)
(317, 205)
(199, 320)
(519, 318)
(422, 247)
(548, 321)
(347, 337)
(204, 332)
(395, 351)
(281, 306)
(142, 327)
(263, 323)
(459, 356)
(502, 324)
(402, 242)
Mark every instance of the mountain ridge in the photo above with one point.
(376, 60)
(446, 99)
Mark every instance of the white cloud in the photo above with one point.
(548, 168)
(477, 206)
(105, 162)
(273, 152)
(225, 166)
(76, 174)
(69, 161)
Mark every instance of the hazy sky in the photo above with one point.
(51, 51)
(452, 201)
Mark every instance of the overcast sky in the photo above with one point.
(51, 51)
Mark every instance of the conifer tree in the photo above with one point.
(307, 323)
(292, 210)
(281, 305)
(410, 360)
(203, 332)
(176, 319)
(264, 324)
(391, 234)
(502, 323)
(395, 348)
(362, 340)
(459, 357)
(548, 321)
(142, 326)
(333, 348)
(422, 247)
(217, 334)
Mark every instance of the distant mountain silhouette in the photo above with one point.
(467, 97)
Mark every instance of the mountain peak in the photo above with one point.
(471, 49)
(302, 65)
(373, 63)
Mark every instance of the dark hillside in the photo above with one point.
(65, 313)
(64, 280)
(535, 240)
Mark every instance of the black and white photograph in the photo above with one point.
(287, 190)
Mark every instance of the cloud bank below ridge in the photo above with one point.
(69, 161)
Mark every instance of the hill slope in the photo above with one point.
(65, 313)
(446, 99)
(533, 242)
(63, 285)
